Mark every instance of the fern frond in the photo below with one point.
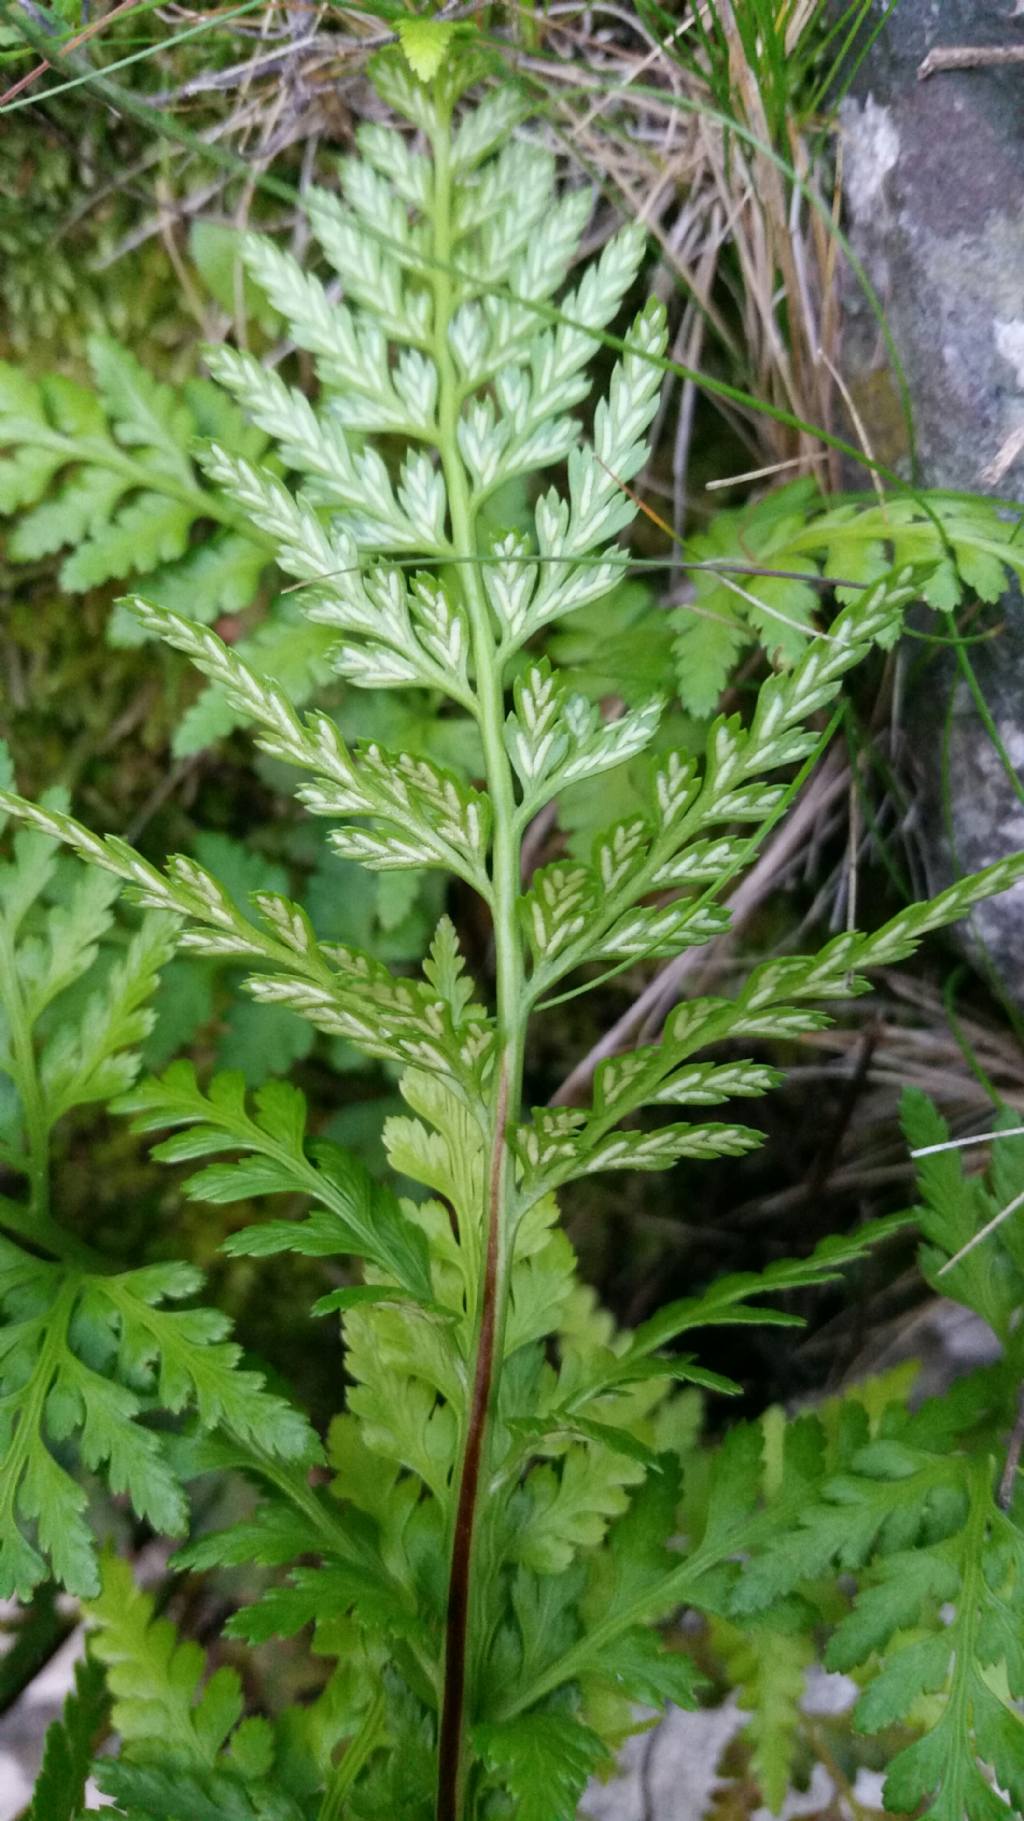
(972, 1224)
(558, 1147)
(112, 476)
(82, 1355)
(961, 546)
(111, 473)
(768, 1668)
(921, 1524)
(339, 989)
(913, 1514)
(59, 1793)
(507, 1521)
(355, 1215)
(155, 1680)
(60, 1054)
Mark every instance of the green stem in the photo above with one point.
(492, 1292)
(970, 677)
(29, 1400)
(26, 1079)
(100, 452)
(359, 1749)
(42, 1230)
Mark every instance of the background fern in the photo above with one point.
(87, 1349)
(968, 545)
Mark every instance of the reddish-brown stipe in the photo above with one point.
(449, 1772)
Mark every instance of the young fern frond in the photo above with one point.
(768, 1667)
(186, 1749)
(502, 1530)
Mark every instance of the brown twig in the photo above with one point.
(969, 57)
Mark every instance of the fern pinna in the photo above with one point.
(505, 1520)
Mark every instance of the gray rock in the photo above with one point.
(934, 185)
(24, 1726)
(967, 813)
(670, 1773)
